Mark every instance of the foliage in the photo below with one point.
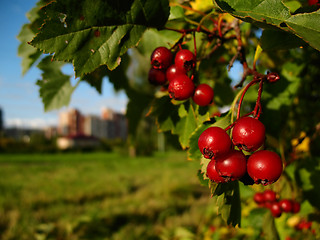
(114, 40)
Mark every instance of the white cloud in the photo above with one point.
(35, 123)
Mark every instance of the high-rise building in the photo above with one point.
(71, 123)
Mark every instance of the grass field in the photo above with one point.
(102, 196)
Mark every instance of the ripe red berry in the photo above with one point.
(212, 173)
(273, 77)
(203, 95)
(232, 165)
(295, 207)
(248, 134)
(161, 58)
(276, 210)
(214, 142)
(264, 167)
(269, 196)
(181, 87)
(185, 60)
(259, 198)
(173, 71)
(313, 2)
(157, 77)
(286, 205)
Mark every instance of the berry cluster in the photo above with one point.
(174, 71)
(269, 199)
(229, 164)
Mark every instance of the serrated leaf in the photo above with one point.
(100, 33)
(203, 181)
(228, 201)
(275, 14)
(186, 125)
(55, 87)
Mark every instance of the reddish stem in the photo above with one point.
(254, 81)
(257, 108)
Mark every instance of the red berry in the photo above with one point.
(232, 165)
(185, 60)
(264, 167)
(313, 2)
(203, 95)
(248, 134)
(258, 198)
(276, 210)
(212, 173)
(286, 205)
(161, 58)
(295, 207)
(269, 196)
(173, 71)
(214, 142)
(157, 77)
(181, 87)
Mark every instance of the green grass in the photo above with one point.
(101, 196)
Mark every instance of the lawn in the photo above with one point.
(102, 196)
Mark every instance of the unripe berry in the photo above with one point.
(248, 134)
(264, 167)
(203, 95)
(214, 142)
(157, 77)
(185, 60)
(161, 58)
(212, 173)
(232, 165)
(181, 87)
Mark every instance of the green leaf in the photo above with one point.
(90, 35)
(276, 39)
(275, 14)
(186, 125)
(55, 87)
(228, 201)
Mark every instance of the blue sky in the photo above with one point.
(19, 97)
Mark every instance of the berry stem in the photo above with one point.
(254, 81)
(257, 109)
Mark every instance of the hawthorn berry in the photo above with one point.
(203, 95)
(185, 60)
(269, 196)
(272, 77)
(161, 58)
(232, 165)
(212, 173)
(157, 77)
(173, 71)
(313, 2)
(259, 198)
(214, 142)
(275, 209)
(295, 207)
(286, 205)
(248, 134)
(181, 87)
(264, 167)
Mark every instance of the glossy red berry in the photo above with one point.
(232, 165)
(259, 198)
(214, 142)
(269, 196)
(161, 58)
(185, 60)
(181, 87)
(248, 134)
(203, 95)
(264, 167)
(273, 77)
(212, 173)
(295, 207)
(276, 210)
(286, 205)
(173, 71)
(157, 77)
